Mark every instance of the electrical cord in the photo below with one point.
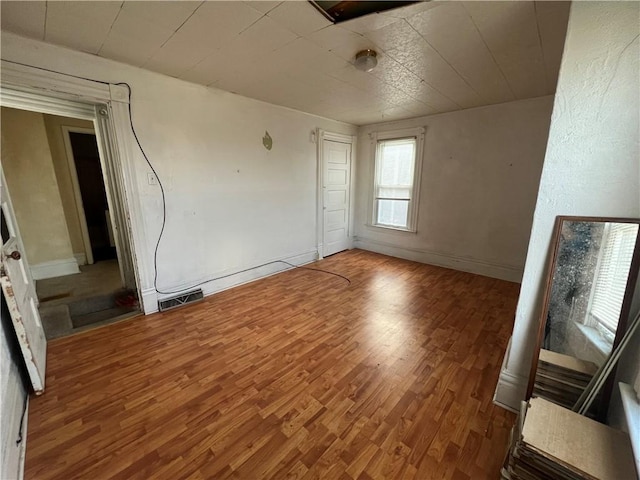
(59, 73)
(316, 270)
(164, 222)
(164, 199)
(24, 412)
(209, 280)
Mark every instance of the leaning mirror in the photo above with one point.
(591, 280)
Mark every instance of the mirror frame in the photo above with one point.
(624, 311)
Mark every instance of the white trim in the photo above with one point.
(149, 300)
(123, 142)
(511, 389)
(479, 267)
(117, 205)
(216, 286)
(54, 268)
(336, 137)
(81, 258)
(321, 136)
(27, 98)
(75, 186)
(259, 273)
(353, 192)
(412, 216)
(319, 193)
(58, 85)
(402, 133)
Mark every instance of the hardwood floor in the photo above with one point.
(300, 375)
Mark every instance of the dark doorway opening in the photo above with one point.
(94, 195)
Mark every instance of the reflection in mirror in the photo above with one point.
(592, 275)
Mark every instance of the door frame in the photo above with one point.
(75, 184)
(107, 106)
(321, 136)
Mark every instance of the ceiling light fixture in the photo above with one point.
(366, 60)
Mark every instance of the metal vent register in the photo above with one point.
(180, 300)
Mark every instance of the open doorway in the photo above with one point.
(55, 175)
(93, 209)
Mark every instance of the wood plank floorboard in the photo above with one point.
(297, 376)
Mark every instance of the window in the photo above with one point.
(396, 187)
(612, 274)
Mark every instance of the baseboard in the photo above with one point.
(479, 267)
(81, 258)
(232, 281)
(149, 301)
(511, 389)
(54, 268)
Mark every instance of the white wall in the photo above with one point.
(480, 172)
(231, 204)
(28, 168)
(592, 164)
(12, 394)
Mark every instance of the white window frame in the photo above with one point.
(412, 215)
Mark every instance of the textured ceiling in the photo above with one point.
(433, 56)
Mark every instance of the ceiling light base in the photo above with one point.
(366, 60)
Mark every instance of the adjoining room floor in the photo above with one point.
(75, 303)
(299, 375)
(93, 280)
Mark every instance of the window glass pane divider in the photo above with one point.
(394, 198)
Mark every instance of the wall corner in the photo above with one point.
(511, 388)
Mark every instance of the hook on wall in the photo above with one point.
(267, 141)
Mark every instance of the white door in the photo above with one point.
(336, 180)
(20, 294)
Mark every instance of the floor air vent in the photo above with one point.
(180, 300)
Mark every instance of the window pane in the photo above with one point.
(394, 192)
(396, 162)
(393, 213)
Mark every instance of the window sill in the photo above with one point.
(393, 229)
(594, 337)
